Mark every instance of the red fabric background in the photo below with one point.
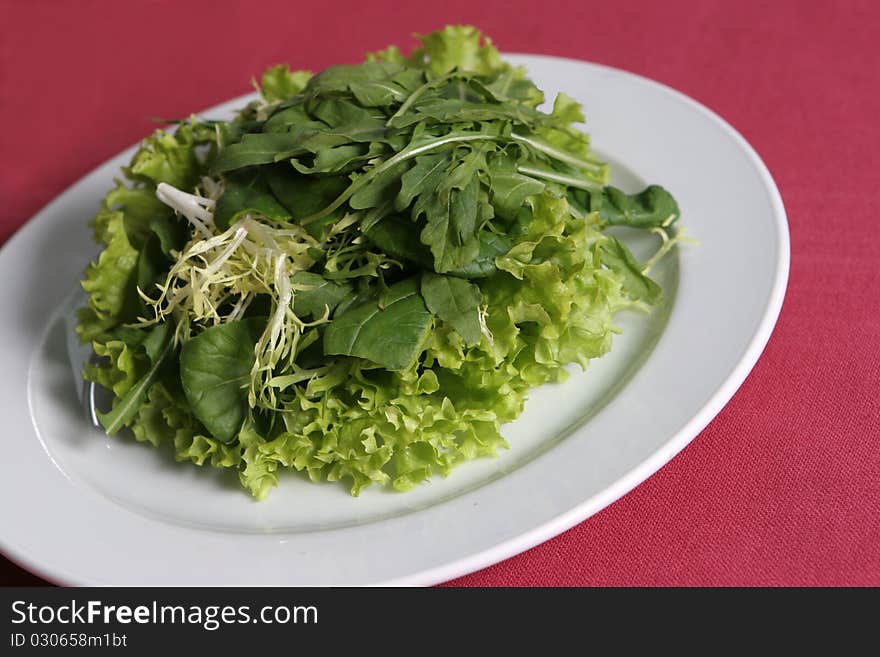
(783, 487)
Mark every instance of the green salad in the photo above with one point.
(362, 275)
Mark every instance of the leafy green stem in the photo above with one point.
(558, 177)
(588, 163)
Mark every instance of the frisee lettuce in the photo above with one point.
(361, 276)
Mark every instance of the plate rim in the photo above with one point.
(635, 475)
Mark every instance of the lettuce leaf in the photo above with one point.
(108, 280)
(280, 83)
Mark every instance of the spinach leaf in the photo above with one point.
(303, 195)
(389, 331)
(456, 302)
(157, 345)
(171, 232)
(394, 235)
(215, 369)
(619, 259)
(314, 294)
(247, 192)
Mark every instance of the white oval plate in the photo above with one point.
(81, 508)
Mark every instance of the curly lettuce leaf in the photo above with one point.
(461, 47)
(108, 280)
(165, 419)
(280, 83)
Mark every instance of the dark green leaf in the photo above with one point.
(454, 111)
(456, 302)
(395, 236)
(390, 334)
(492, 245)
(377, 93)
(465, 170)
(317, 294)
(335, 159)
(510, 188)
(247, 192)
(424, 176)
(293, 118)
(451, 228)
(215, 370)
(335, 112)
(157, 345)
(170, 231)
(409, 79)
(151, 267)
(303, 195)
(376, 214)
(260, 148)
(618, 258)
(340, 78)
(651, 207)
(380, 188)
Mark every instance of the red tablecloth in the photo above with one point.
(784, 486)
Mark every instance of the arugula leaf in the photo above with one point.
(215, 369)
(259, 148)
(389, 331)
(425, 174)
(335, 159)
(451, 226)
(294, 119)
(380, 188)
(456, 111)
(510, 188)
(618, 259)
(492, 245)
(652, 207)
(456, 302)
(340, 78)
